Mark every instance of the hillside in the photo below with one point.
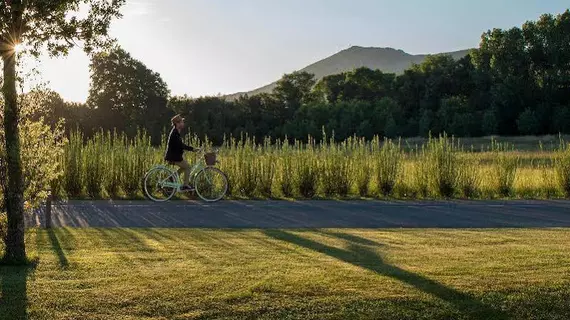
(388, 60)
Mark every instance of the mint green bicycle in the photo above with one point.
(210, 183)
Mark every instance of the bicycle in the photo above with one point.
(210, 183)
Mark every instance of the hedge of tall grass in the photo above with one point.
(110, 165)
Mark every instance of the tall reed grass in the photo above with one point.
(111, 166)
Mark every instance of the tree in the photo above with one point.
(293, 90)
(455, 118)
(127, 95)
(39, 25)
(502, 55)
(329, 88)
(528, 123)
(490, 125)
(425, 123)
(561, 120)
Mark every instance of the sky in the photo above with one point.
(210, 47)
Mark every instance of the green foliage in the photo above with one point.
(422, 172)
(562, 168)
(126, 95)
(3, 230)
(72, 162)
(286, 176)
(490, 125)
(293, 90)
(388, 163)
(334, 165)
(528, 123)
(93, 166)
(361, 165)
(266, 168)
(561, 119)
(469, 178)
(487, 92)
(352, 168)
(306, 170)
(442, 156)
(246, 171)
(506, 166)
(42, 150)
(425, 123)
(52, 26)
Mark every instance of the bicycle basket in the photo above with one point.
(210, 158)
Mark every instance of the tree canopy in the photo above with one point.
(37, 26)
(516, 82)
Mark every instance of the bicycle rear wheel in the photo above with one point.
(211, 184)
(160, 184)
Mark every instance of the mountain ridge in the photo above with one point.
(385, 59)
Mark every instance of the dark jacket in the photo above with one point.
(175, 147)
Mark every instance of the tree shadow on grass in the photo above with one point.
(13, 291)
(56, 247)
(364, 257)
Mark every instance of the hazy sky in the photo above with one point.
(204, 47)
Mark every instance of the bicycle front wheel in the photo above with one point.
(211, 184)
(160, 184)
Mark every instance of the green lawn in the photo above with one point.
(291, 274)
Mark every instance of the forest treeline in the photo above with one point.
(517, 82)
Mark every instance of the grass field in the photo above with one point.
(112, 167)
(288, 274)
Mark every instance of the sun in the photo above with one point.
(18, 48)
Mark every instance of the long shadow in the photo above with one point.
(351, 238)
(56, 247)
(364, 257)
(13, 292)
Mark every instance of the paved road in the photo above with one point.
(309, 214)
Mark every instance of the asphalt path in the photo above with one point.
(307, 214)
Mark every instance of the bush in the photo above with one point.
(41, 153)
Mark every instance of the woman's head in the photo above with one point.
(178, 121)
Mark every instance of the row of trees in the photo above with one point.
(516, 83)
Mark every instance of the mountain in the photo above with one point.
(387, 60)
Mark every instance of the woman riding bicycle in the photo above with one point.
(175, 150)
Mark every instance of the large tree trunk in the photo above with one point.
(14, 193)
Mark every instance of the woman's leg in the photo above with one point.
(184, 168)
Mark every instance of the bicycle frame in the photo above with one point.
(196, 167)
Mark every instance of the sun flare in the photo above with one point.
(18, 48)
